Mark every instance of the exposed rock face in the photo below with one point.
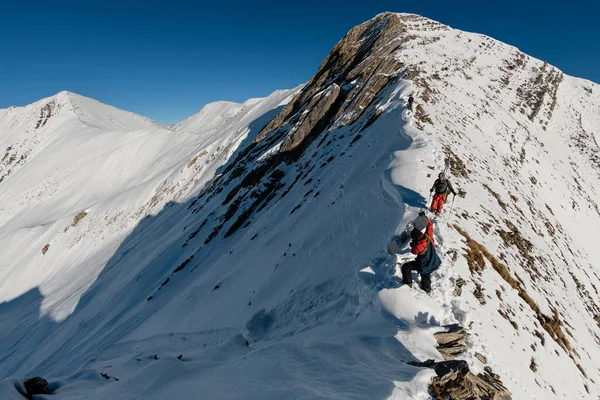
(464, 385)
(452, 342)
(347, 82)
(454, 380)
(346, 87)
(46, 113)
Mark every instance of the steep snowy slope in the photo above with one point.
(521, 138)
(76, 184)
(268, 278)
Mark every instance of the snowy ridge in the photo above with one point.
(241, 253)
(513, 129)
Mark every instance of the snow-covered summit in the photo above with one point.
(214, 117)
(68, 105)
(241, 254)
(209, 117)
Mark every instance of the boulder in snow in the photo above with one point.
(36, 385)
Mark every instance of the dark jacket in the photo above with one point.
(442, 187)
(427, 259)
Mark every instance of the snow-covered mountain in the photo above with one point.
(76, 184)
(242, 252)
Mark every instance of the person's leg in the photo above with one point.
(426, 282)
(432, 207)
(407, 272)
(434, 202)
(440, 203)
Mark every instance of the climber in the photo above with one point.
(442, 187)
(427, 261)
(411, 100)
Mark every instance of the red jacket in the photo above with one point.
(427, 259)
(420, 245)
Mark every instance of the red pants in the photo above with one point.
(437, 204)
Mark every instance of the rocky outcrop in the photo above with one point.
(347, 83)
(461, 384)
(46, 113)
(35, 386)
(454, 380)
(344, 92)
(452, 342)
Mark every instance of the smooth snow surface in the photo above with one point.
(107, 265)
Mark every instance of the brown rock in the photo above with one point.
(347, 82)
(460, 282)
(452, 342)
(481, 358)
(461, 385)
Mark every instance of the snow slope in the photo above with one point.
(241, 252)
(81, 181)
(522, 141)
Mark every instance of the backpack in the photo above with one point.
(442, 187)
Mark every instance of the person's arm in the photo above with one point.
(451, 188)
(429, 229)
(432, 187)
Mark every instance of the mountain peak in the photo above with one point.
(65, 95)
(63, 99)
(95, 113)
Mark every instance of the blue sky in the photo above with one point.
(165, 59)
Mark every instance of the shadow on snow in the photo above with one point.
(116, 304)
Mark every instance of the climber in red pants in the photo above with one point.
(442, 188)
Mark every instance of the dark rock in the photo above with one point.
(464, 385)
(36, 385)
(455, 381)
(445, 367)
(108, 377)
(425, 364)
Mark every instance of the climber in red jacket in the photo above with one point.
(427, 261)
